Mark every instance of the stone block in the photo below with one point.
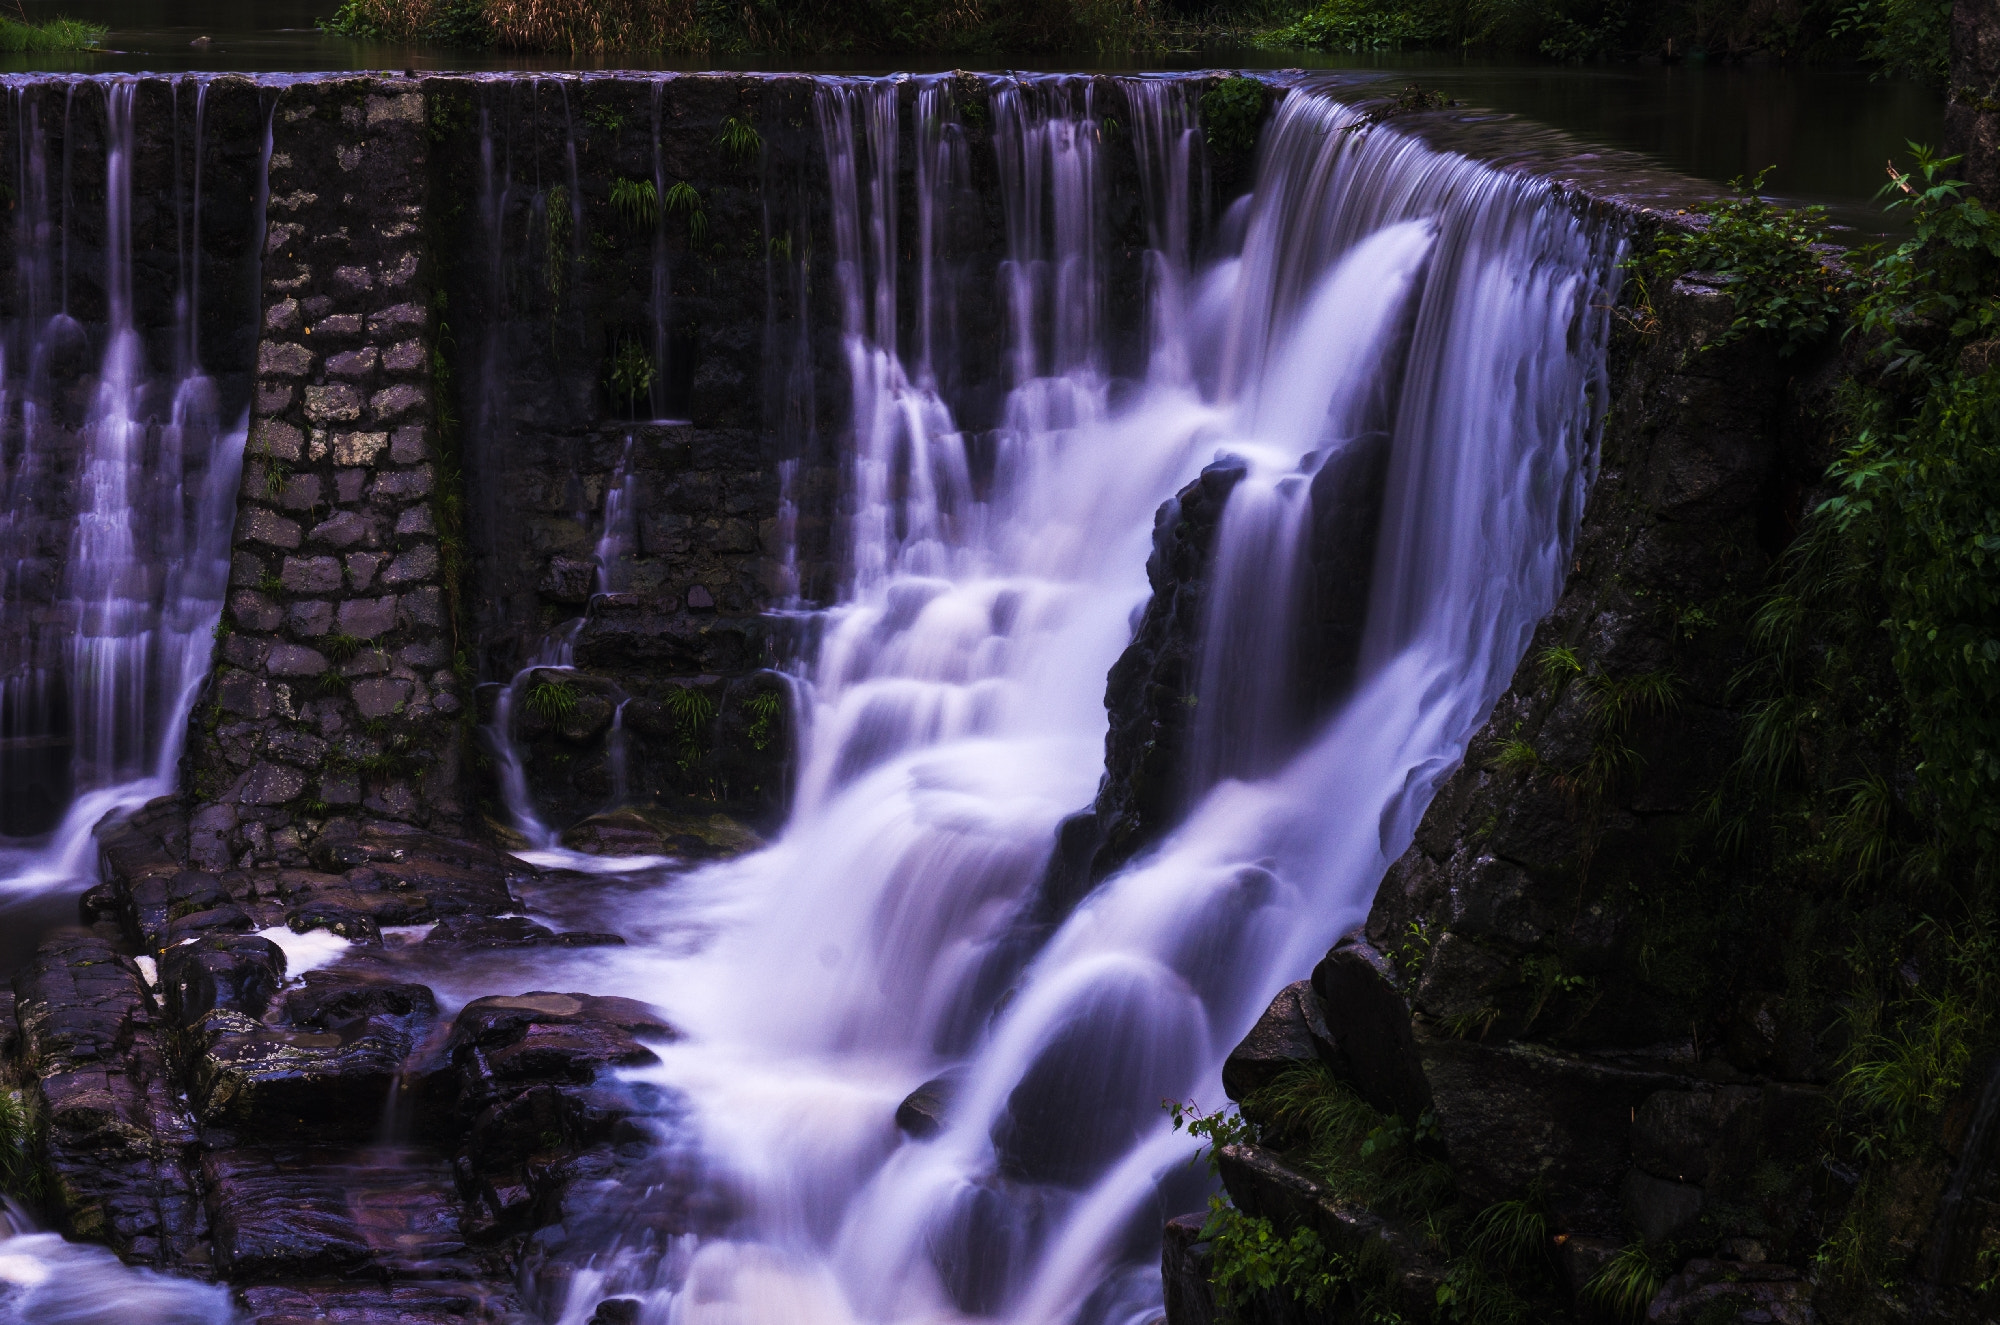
(402, 108)
(242, 694)
(339, 788)
(396, 401)
(301, 492)
(358, 448)
(282, 316)
(276, 440)
(418, 564)
(295, 660)
(405, 356)
(379, 696)
(272, 784)
(253, 611)
(340, 324)
(278, 358)
(361, 568)
(366, 618)
(423, 607)
(296, 747)
(262, 525)
(353, 363)
(246, 651)
(353, 279)
(337, 403)
(343, 529)
(416, 520)
(274, 397)
(424, 653)
(347, 485)
(404, 485)
(309, 617)
(399, 273)
(311, 575)
(398, 318)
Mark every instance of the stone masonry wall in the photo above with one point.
(333, 692)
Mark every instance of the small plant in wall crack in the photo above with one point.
(739, 140)
(763, 709)
(551, 701)
(691, 711)
(683, 200)
(631, 371)
(636, 203)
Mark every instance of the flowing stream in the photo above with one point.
(1371, 291)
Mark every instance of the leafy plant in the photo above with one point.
(551, 700)
(683, 200)
(1627, 1283)
(21, 1172)
(631, 371)
(691, 711)
(739, 140)
(276, 475)
(1771, 259)
(340, 646)
(763, 708)
(50, 37)
(1230, 114)
(636, 202)
(1252, 1258)
(1358, 25)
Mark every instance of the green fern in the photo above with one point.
(683, 200)
(551, 701)
(691, 711)
(1628, 1282)
(636, 202)
(739, 139)
(763, 709)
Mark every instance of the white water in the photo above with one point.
(953, 713)
(141, 579)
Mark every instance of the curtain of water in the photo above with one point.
(953, 713)
(136, 588)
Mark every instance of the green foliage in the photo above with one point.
(1253, 1259)
(631, 371)
(1230, 114)
(604, 119)
(1360, 25)
(460, 23)
(1628, 1282)
(739, 140)
(636, 203)
(763, 708)
(1771, 259)
(691, 711)
(1902, 38)
(340, 646)
(21, 1170)
(1367, 1157)
(551, 700)
(557, 232)
(276, 474)
(683, 200)
(55, 36)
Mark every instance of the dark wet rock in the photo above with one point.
(1282, 1038)
(1185, 1265)
(278, 1220)
(617, 1311)
(238, 973)
(118, 1143)
(922, 1114)
(1150, 687)
(1707, 1292)
(510, 932)
(350, 923)
(618, 833)
(480, 1302)
(224, 919)
(1368, 1043)
(510, 1042)
(335, 1000)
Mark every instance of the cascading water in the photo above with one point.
(108, 639)
(1377, 293)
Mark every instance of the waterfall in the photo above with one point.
(107, 642)
(1371, 292)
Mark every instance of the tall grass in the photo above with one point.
(56, 36)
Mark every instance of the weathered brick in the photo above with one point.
(294, 660)
(262, 525)
(396, 401)
(418, 564)
(279, 358)
(358, 448)
(310, 574)
(366, 618)
(379, 696)
(338, 403)
(353, 363)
